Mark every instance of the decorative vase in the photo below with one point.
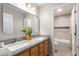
(28, 37)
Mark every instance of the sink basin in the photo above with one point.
(36, 40)
(18, 45)
(33, 41)
(24, 43)
(39, 38)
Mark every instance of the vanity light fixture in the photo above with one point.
(29, 6)
(59, 10)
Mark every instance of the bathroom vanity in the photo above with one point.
(38, 46)
(40, 49)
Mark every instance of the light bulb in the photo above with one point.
(29, 5)
(59, 10)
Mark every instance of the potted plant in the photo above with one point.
(27, 31)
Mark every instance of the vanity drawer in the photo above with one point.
(34, 49)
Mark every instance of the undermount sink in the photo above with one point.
(39, 38)
(24, 43)
(36, 40)
(18, 45)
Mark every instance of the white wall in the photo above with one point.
(45, 15)
(46, 23)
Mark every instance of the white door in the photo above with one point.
(77, 27)
(73, 30)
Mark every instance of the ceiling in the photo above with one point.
(40, 4)
(66, 7)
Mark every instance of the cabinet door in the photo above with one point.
(35, 53)
(25, 53)
(34, 50)
(41, 45)
(41, 49)
(46, 47)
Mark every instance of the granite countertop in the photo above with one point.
(15, 48)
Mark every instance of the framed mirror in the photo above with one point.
(7, 23)
(14, 19)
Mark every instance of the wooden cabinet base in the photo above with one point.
(25, 53)
(40, 49)
(35, 54)
(46, 48)
(34, 51)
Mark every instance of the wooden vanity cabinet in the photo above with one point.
(34, 51)
(25, 53)
(40, 49)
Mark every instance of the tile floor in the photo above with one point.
(63, 52)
